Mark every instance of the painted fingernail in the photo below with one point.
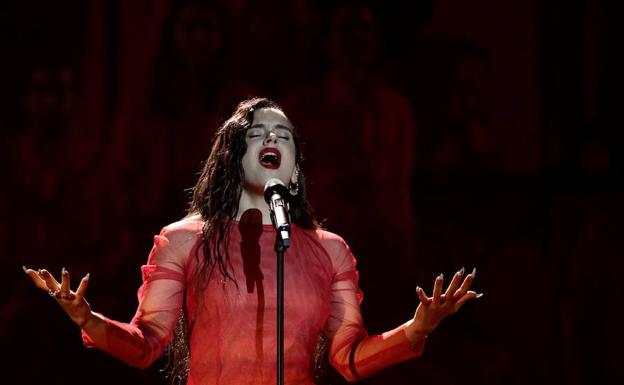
(479, 295)
(474, 272)
(462, 271)
(63, 271)
(25, 270)
(441, 276)
(418, 289)
(87, 276)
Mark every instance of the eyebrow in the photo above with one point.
(281, 126)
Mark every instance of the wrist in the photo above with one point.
(88, 320)
(415, 333)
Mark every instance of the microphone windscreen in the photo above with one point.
(274, 186)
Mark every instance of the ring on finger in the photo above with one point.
(53, 293)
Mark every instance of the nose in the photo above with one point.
(270, 138)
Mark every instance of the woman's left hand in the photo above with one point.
(432, 310)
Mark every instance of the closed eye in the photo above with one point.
(283, 133)
(255, 133)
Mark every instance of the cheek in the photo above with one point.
(291, 162)
(289, 158)
(247, 164)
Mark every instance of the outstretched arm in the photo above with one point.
(355, 354)
(142, 340)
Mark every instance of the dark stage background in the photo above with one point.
(490, 128)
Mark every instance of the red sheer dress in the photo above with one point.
(232, 329)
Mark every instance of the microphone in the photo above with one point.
(275, 194)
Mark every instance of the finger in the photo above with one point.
(34, 276)
(82, 287)
(65, 284)
(51, 283)
(422, 296)
(459, 293)
(437, 289)
(467, 297)
(454, 285)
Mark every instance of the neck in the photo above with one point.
(251, 199)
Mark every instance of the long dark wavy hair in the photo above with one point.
(219, 187)
(215, 198)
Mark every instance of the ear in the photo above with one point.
(295, 175)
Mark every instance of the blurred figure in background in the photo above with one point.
(361, 132)
(57, 195)
(190, 94)
(54, 159)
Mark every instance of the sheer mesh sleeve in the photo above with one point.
(141, 341)
(353, 353)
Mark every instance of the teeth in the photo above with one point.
(269, 157)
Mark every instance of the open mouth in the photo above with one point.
(270, 158)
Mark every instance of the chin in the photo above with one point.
(257, 183)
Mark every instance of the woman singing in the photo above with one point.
(216, 268)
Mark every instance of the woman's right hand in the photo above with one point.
(72, 302)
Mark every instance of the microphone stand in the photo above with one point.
(280, 248)
(274, 194)
(281, 245)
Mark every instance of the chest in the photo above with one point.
(252, 294)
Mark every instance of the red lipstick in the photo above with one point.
(270, 158)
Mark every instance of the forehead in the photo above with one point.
(270, 117)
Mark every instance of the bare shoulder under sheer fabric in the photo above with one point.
(232, 326)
